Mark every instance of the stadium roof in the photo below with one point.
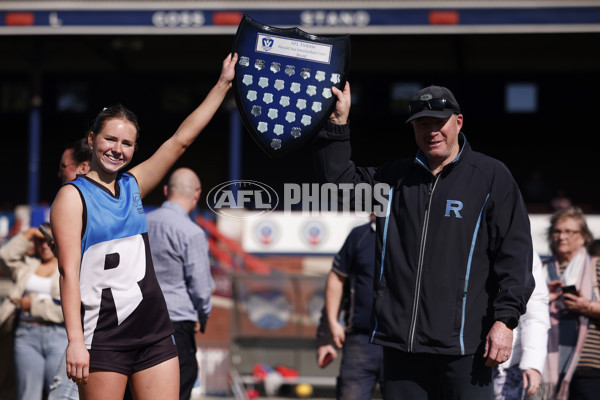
(43, 17)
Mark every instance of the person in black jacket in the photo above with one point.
(453, 252)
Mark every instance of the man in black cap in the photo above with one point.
(453, 252)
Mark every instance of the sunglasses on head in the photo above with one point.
(432, 104)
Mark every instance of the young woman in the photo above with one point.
(40, 338)
(115, 314)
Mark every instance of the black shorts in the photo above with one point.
(127, 362)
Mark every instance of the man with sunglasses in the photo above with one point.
(453, 252)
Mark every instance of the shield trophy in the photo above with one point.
(283, 82)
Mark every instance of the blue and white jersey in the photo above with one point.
(122, 304)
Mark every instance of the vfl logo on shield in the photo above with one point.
(226, 198)
(267, 43)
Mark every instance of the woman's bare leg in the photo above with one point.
(160, 382)
(103, 385)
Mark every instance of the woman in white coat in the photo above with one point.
(522, 373)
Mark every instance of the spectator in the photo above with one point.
(40, 336)
(350, 282)
(180, 256)
(453, 267)
(106, 267)
(573, 363)
(75, 160)
(521, 374)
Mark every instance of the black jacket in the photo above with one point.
(453, 253)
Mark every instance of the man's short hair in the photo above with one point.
(81, 150)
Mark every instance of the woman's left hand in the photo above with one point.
(531, 380)
(576, 302)
(228, 69)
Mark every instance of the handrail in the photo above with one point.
(232, 250)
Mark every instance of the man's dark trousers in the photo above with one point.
(186, 349)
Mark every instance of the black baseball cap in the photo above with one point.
(433, 101)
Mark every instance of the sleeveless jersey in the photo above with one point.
(123, 307)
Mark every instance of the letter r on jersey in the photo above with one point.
(453, 206)
(114, 264)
